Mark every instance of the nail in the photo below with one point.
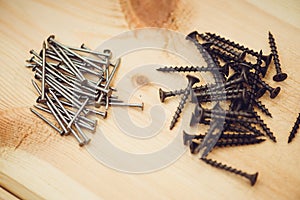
(78, 112)
(47, 121)
(98, 102)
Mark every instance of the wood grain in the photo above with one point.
(37, 163)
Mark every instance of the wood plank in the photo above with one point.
(37, 163)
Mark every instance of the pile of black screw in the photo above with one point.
(73, 82)
(240, 91)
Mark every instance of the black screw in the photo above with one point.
(279, 75)
(267, 58)
(294, 130)
(163, 94)
(264, 127)
(224, 70)
(251, 177)
(191, 81)
(273, 91)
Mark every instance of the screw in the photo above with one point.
(267, 58)
(294, 130)
(251, 177)
(224, 70)
(273, 91)
(279, 75)
(191, 81)
(61, 132)
(264, 127)
(222, 46)
(43, 99)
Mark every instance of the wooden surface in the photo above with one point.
(37, 163)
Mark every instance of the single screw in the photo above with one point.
(224, 70)
(279, 75)
(61, 132)
(295, 129)
(191, 81)
(251, 177)
(267, 58)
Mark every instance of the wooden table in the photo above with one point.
(35, 162)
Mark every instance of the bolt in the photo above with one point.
(295, 129)
(61, 132)
(251, 177)
(191, 81)
(279, 75)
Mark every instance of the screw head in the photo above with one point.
(192, 79)
(162, 95)
(280, 77)
(267, 59)
(275, 92)
(260, 92)
(192, 36)
(253, 178)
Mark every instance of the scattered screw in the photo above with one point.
(279, 75)
(191, 81)
(251, 177)
(295, 129)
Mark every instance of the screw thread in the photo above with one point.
(179, 108)
(187, 69)
(294, 129)
(274, 52)
(225, 167)
(219, 44)
(233, 44)
(238, 141)
(262, 107)
(264, 127)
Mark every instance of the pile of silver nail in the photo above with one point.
(74, 85)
